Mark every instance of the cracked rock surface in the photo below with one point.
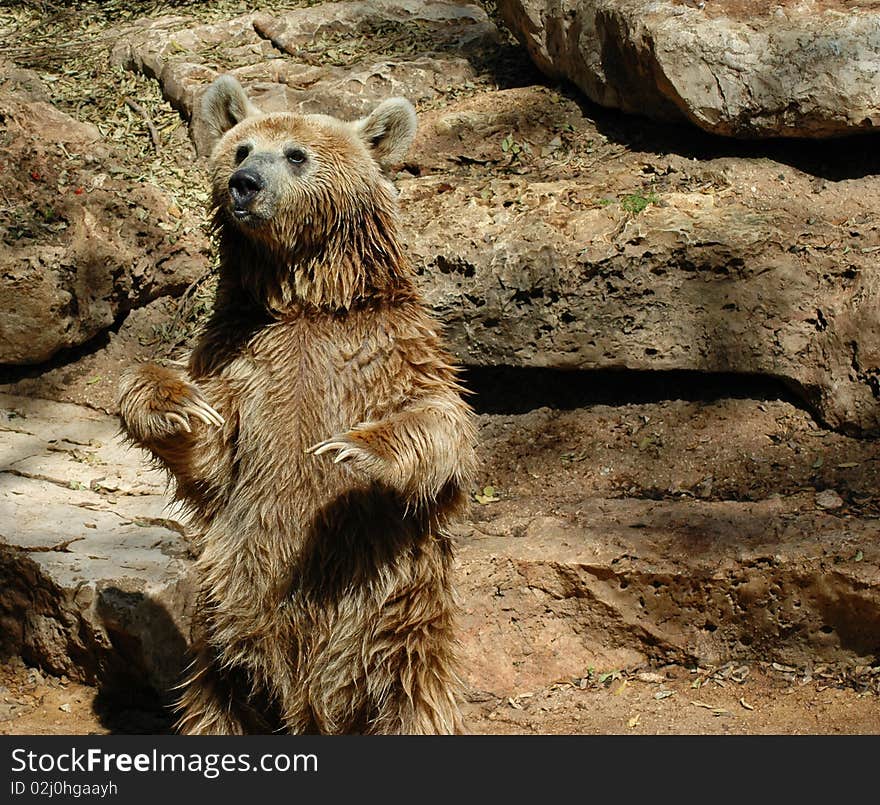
(253, 47)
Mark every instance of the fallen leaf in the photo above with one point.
(634, 721)
(716, 711)
(663, 694)
(621, 687)
(64, 708)
(745, 704)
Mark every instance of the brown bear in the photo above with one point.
(318, 437)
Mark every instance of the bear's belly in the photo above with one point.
(295, 385)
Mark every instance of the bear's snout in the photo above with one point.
(244, 185)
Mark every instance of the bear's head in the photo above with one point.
(301, 202)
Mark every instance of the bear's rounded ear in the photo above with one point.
(223, 105)
(389, 130)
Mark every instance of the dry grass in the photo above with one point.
(68, 46)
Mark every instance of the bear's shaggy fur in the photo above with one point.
(318, 437)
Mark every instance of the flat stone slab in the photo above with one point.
(738, 68)
(93, 563)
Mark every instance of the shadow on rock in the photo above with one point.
(146, 661)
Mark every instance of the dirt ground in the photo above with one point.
(553, 438)
(734, 700)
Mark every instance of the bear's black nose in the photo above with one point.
(244, 184)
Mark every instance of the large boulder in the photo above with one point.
(741, 69)
(80, 244)
(692, 285)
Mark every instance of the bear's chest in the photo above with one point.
(299, 382)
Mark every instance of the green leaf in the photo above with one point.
(636, 203)
(486, 496)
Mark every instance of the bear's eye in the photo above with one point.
(296, 156)
(241, 153)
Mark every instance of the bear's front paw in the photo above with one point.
(368, 449)
(362, 448)
(156, 403)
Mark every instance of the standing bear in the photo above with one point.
(318, 438)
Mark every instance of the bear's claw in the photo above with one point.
(346, 448)
(201, 410)
(193, 405)
(156, 403)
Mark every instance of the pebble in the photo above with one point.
(829, 499)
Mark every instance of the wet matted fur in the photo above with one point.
(318, 438)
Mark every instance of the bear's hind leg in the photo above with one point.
(424, 704)
(212, 703)
(412, 680)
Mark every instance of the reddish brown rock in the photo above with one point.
(80, 244)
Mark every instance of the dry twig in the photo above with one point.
(138, 109)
